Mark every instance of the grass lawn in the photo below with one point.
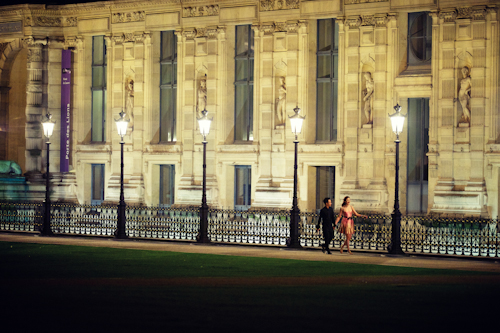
(83, 289)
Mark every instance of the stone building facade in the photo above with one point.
(345, 63)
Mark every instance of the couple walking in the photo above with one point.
(346, 227)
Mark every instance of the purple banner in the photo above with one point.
(65, 109)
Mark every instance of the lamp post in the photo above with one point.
(397, 120)
(296, 124)
(121, 125)
(204, 125)
(48, 128)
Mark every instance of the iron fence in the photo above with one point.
(21, 216)
(460, 237)
(249, 227)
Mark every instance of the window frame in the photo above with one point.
(94, 137)
(412, 59)
(319, 196)
(171, 175)
(168, 134)
(423, 174)
(249, 57)
(332, 79)
(94, 201)
(247, 193)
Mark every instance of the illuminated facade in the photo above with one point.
(345, 63)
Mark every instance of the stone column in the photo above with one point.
(35, 107)
(4, 120)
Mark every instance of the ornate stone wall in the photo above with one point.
(464, 153)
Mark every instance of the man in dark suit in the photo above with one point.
(327, 216)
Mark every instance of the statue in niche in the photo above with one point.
(464, 95)
(202, 95)
(281, 102)
(129, 101)
(9, 168)
(367, 97)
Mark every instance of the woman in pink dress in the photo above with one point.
(347, 224)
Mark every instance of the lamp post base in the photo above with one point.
(120, 228)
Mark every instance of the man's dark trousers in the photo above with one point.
(327, 235)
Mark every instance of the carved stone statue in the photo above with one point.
(202, 96)
(464, 95)
(129, 102)
(281, 102)
(10, 168)
(367, 97)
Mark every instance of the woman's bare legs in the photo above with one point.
(347, 239)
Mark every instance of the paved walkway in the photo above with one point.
(429, 261)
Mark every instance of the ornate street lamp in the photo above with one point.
(296, 124)
(204, 125)
(48, 129)
(397, 120)
(121, 125)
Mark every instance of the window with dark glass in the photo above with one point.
(168, 86)
(325, 185)
(242, 187)
(419, 38)
(243, 83)
(167, 185)
(97, 184)
(99, 69)
(327, 80)
(417, 164)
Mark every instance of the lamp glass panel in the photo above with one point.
(121, 126)
(48, 128)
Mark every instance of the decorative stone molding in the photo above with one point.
(189, 34)
(356, 2)
(268, 29)
(210, 10)
(288, 26)
(11, 27)
(381, 20)
(30, 41)
(477, 13)
(353, 22)
(128, 17)
(129, 37)
(464, 12)
(270, 5)
(368, 20)
(280, 26)
(208, 32)
(213, 32)
(72, 42)
(34, 54)
(448, 16)
(50, 21)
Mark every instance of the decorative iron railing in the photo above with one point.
(83, 219)
(249, 227)
(461, 237)
(166, 223)
(21, 216)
